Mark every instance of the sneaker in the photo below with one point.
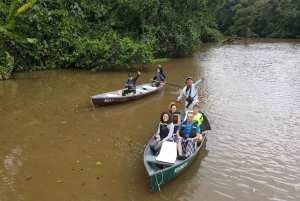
(179, 157)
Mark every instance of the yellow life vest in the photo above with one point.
(198, 118)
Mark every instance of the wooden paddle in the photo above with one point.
(172, 84)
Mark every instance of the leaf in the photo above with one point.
(32, 40)
(98, 163)
(58, 181)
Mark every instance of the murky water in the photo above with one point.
(54, 146)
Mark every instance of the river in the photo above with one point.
(55, 146)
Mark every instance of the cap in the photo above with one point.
(129, 75)
(189, 78)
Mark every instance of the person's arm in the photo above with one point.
(161, 70)
(135, 79)
(182, 94)
(162, 77)
(138, 75)
(199, 81)
(197, 129)
(154, 78)
(170, 134)
(157, 132)
(178, 120)
(178, 130)
(197, 133)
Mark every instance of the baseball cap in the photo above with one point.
(189, 78)
(129, 75)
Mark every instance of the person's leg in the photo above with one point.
(153, 144)
(190, 147)
(158, 147)
(179, 146)
(184, 147)
(199, 138)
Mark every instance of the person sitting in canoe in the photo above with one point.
(198, 117)
(187, 134)
(164, 131)
(175, 115)
(130, 84)
(158, 78)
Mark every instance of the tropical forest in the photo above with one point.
(106, 35)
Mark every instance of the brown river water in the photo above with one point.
(54, 146)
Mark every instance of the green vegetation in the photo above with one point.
(161, 60)
(261, 18)
(104, 34)
(6, 60)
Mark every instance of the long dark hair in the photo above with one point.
(170, 120)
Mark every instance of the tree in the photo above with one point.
(6, 60)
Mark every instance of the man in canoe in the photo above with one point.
(158, 78)
(130, 84)
(190, 92)
(188, 134)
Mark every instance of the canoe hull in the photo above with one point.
(160, 178)
(110, 98)
(160, 173)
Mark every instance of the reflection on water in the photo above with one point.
(50, 132)
(253, 100)
(12, 164)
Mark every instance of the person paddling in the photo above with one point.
(190, 92)
(130, 84)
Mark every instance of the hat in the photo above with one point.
(189, 78)
(129, 75)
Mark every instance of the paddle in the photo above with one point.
(172, 84)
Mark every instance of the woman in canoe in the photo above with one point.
(164, 132)
(175, 115)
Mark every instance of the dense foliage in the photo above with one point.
(264, 18)
(107, 34)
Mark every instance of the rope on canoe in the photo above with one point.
(93, 105)
(158, 184)
(162, 179)
(95, 110)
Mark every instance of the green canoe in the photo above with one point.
(161, 173)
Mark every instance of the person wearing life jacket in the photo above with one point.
(188, 134)
(198, 117)
(190, 92)
(164, 131)
(158, 78)
(130, 84)
(175, 115)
